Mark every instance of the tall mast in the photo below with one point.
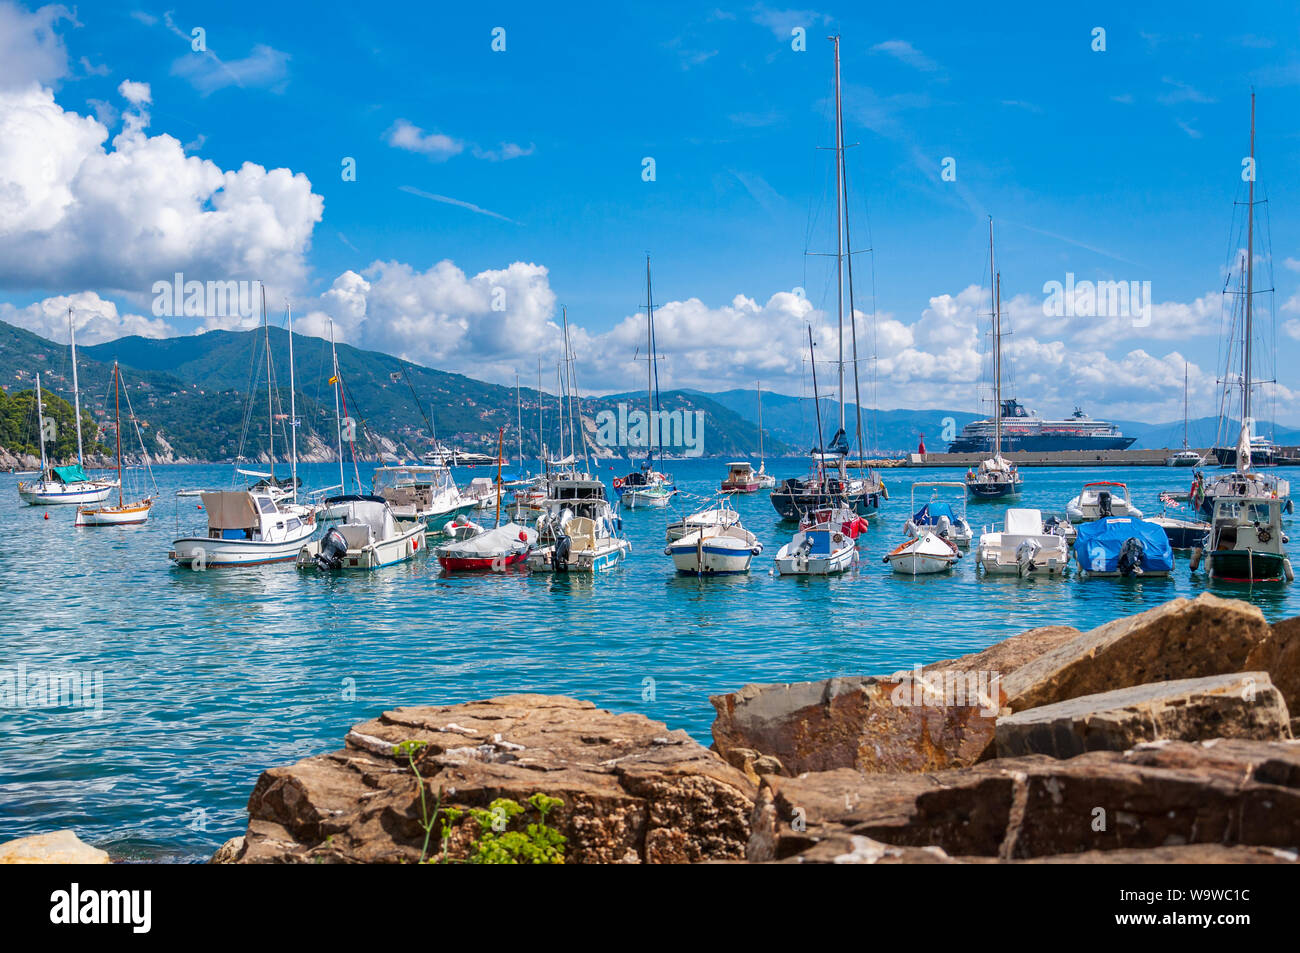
(541, 403)
(293, 410)
(1184, 405)
(270, 408)
(1250, 275)
(759, 386)
(839, 220)
(338, 416)
(76, 391)
(817, 402)
(995, 300)
(40, 423)
(519, 414)
(117, 410)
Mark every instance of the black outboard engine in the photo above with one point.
(1131, 555)
(1103, 503)
(560, 554)
(332, 550)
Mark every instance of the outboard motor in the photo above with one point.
(1025, 554)
(1103, 503)
(1131, 555)
(560, 553)
(332, 550)
(943, 527)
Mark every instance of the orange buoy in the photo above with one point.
(47, 515)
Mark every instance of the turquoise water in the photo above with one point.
(211, 677)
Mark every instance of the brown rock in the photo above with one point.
(1184, 638)
(1279, 655)
(1012, 653)
(633, 791)
(1244, 705)
(57, 847)
(228, 853)
(1226, 792)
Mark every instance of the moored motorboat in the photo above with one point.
(1123, 546)
(820, 550)
(1246, 542)
(938, 516)
(579, 530)
(367, 537)
(1022, 547)
(1183, 533)
(417, 491)
(244, 529)
(715, 551)
(924, 553)
(741, 478)
(1099, 500)
(721, 514)
(491, 550)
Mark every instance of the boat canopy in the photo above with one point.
(230, 509)
(70, 474)
(372, 513)
(932, 512)
(1099, 543)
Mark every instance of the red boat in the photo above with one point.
(492, 550)
(740, 479)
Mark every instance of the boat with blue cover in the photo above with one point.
(1123, 546)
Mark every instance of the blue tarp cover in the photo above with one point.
(930, 514)
(1099, 542)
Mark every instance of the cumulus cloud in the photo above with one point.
(96, 319)
(406, 135)
(30, 50)
(75, 212)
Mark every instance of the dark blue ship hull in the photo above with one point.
(1039, 443)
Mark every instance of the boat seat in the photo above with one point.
(356, 534)
(582, 531)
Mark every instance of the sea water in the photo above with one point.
(208, 678)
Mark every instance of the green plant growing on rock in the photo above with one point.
(537, 843)
(450, 815)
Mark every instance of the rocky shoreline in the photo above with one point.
(1164, 737)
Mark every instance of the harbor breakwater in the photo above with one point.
(1165, 736)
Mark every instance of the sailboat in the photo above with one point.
(646, 487)
(124, 513)
(1244, 482)
(829, 483)
(741, 475)
(252, 527)
(66, 484)
(1185, 457)
(996, 478)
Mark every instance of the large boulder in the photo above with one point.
(1279, 655)
(632, 790)
(940, 716)
(57, 847)
(856, 849)
(1226, 792)
(1244, 705)
(1183, 638)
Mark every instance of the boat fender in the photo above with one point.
(560, 554)
(1287, 571)
(1131, 555)
(1196, 557)
(332, 550)
(1287, 507)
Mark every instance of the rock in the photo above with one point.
(1183, 638)
(1226, 792)
(58, 847)
(855, 849)
(1244, 705)
(940, 716)
(228, 853)
(633, 791)
(1279, 655)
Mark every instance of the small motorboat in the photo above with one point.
(368, 537)
(1022, 547)
(244, 529)
(462, 527)
(923, 554)
(646, 487)
(1183, 533)
(741, 478)
(715, 551)
(493, 550)
(1123, 546)
(938, 516)
(820, 550)
(1101, 500)
(1246, 542)
(721, 515)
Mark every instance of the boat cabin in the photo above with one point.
(238, 514)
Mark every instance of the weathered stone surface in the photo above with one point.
(1244, 705)
(1279, 655)
(57, 847)
(633, 791)
(1227, 792)
(1184, 638)
(884, 724)
(855, 849)
(228, 853)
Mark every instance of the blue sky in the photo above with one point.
(1120, 164)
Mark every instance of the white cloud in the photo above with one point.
(264, 67)
(73, 212)
(905, 52)
(406, 135)
(137, 94)
(96, 319)
(30, 50)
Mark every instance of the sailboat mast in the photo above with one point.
(839, 220)
(649, 365)
(541, 404)
(293, 410)
(1250, 274)
(519, 414)
(759, 386)
(338, 416)
(117, 411)
(1184, 405)
(76, 390)
(40, 424)
(817, 401)
(270, 407)
(995, 303)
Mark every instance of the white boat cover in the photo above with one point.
(507, 538)
(375, 516)
(1024, 522)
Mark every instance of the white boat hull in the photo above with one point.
(790, 562)
(607, 555)
(924, 555)
(199, 552)
(377, 555)
(129, 515)
(52, 494)
(703, 554)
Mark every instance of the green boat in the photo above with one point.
(1246, 542)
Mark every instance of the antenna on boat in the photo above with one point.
(338, 416)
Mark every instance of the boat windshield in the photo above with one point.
(1248, 511)
(389, 477)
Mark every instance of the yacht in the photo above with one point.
(244, 529)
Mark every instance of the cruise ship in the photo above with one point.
(1022, 429)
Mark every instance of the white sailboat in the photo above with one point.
(1186, 457)
(647, 487)
(124, 513)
